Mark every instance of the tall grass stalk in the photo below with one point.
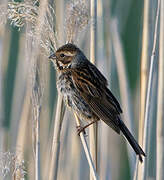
(54, 156)
(1, 107)
(1, 83)
(59, 9)
(145, 61)
(93, 50)
(147, 128)
(87, 152)
(160, 102)
(20, 86)
(21, 141)
(1, 110)
(23, 124)
(37, 87)
(59, 109)
(123, 82)
(144, 67)
(136, 169)
(4, 67)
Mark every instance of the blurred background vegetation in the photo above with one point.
(15, 105)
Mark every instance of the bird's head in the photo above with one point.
(64, 56)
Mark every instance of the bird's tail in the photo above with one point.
(131, 140)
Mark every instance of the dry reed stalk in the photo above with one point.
(93, 129)
(104, 64)
(75, 156)
(59, 9)
(36, 112)
(37, 87)
(1, 108)
(54, 161)
(123, 83)
(22, 129)
(145, 56)
(87, 152)
(2, 60)
(160, 102)
(20, 86)
(147, 121)
(46, 131)
(144, 68)
(59, 109)
(136, 169)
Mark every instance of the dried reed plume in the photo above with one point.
(11, 166)
(77, 18)
(22, 13)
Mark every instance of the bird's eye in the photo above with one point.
(62, 55)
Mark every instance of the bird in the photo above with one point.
(85, 90)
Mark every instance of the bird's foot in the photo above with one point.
(80, 129)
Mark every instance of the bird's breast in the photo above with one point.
(72, 96)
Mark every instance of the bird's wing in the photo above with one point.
(92, 86)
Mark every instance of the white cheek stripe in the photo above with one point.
(67, 53)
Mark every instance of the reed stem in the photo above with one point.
(87, 152)
(93, 49)
(160, 102)
(147, 120)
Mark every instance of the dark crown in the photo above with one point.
(68, 47)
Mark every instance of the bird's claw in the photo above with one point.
(80, 129)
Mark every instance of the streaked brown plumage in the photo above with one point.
(84, 89)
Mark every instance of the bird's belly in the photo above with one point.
(72, 97)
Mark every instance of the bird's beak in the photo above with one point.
(52, 56)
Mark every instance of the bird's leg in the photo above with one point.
(82, 129)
